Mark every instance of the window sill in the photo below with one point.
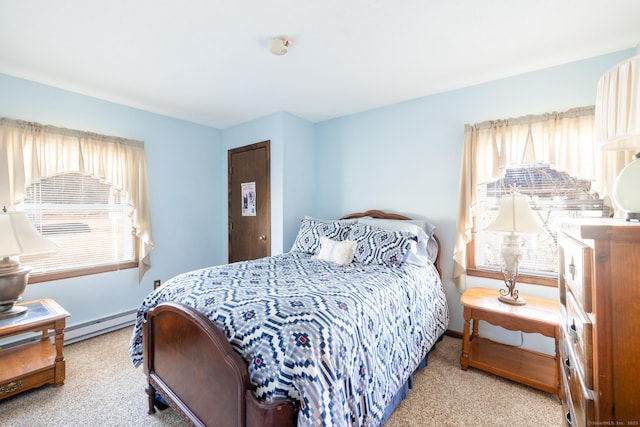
(522, 278)
(46, 277)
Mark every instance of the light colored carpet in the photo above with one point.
(103, 388)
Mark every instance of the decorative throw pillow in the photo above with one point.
(333, 251)
(308, 238)
(377, 246)
(426, 247)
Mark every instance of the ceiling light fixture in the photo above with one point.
(279, 46)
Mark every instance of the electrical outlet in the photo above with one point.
(156, 284)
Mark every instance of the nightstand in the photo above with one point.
(33, 364)
(539, 315)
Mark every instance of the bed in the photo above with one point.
(327, 334)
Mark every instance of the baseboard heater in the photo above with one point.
(90, 329)
(82, 331)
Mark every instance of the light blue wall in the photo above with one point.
(299, 175)
(292, 176)
(262, 129)
(184, 194)
(406, 157)
(402, 158)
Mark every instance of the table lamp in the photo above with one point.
(17, 237)
(617, 126)
(514, 219)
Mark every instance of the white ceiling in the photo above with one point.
(207, 61)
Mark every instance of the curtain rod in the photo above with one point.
(534, 118)
(38, 127)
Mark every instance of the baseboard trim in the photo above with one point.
(454, 334)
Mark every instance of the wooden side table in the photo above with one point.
(36, 363)
(539, 315)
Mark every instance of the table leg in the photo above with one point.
(59, 361)
(464, 357)
(474, 334)
(558, 363)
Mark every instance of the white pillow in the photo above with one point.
(340, 253)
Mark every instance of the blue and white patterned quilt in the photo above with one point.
(340, 340)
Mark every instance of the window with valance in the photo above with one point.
(552, 159)
(86, 192)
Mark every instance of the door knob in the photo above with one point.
(262, 237)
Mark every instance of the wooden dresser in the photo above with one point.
(599, 289)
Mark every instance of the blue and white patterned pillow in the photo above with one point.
(378, 246)
(308, 238)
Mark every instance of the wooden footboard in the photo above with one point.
(190, 362)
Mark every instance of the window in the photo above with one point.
(551, 158)
(88, 220)
(553, 195)
(84, 191)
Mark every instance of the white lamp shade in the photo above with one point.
(617, 112)
(515, 216)
(19, 237)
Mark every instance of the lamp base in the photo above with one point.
(12, 285)
(16, 310)
(508, 299)
(625, 190)
(511, 255)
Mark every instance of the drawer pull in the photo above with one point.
(11, 387)
(567, 418)
(573, 331)
(572, 270)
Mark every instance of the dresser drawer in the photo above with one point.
(575, 270)
(578, 403)
(568, 411)
(578, 335)
(26, 382)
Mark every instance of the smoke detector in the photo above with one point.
(279, 46)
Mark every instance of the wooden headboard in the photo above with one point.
(375, 213)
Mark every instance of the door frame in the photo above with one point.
(262, 144)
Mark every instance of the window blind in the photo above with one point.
(86, 217)
(552, 196)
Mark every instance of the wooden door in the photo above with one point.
(249, 202)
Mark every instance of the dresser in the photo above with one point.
(599, 292)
